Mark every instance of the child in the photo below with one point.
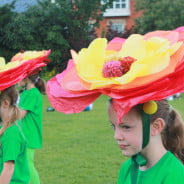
(13, 160)
(163, 152)
(31, 112)
(137, 73)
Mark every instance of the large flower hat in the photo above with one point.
(23, 64)
(132, 71)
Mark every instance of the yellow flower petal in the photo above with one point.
(2, 61)
(152, 56)
(90, 61)
(134, 46)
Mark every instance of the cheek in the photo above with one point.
(136, 138)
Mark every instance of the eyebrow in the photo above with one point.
(119, 123)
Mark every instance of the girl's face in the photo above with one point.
(128, 133)
(4, 110)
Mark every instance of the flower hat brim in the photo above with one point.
(156, 73)
(21, 66)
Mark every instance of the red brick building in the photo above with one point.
(121, 16)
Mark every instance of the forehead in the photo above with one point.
(130, 117)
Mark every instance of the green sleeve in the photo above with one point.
(11, 149)
(27, 101)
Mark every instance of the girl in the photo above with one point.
(141, 69)
(13, 160)
(31, 115)
(161, 158)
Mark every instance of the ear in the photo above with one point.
(5, 103)
(157, 126)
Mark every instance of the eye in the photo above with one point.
(126, 127)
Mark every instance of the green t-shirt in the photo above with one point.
(13, 148)
(31, 100)
(168, 170)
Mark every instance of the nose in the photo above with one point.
(118, 134)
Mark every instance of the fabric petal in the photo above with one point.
(16, 70)
(67, 102)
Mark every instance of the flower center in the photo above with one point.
(116, 67)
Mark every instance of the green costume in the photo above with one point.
(13, 148)
(31, 101)
(168, 170)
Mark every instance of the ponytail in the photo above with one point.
(173, 133)
(39, 83)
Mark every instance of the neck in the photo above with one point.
(153, 155)
(30, 85)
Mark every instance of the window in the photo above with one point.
(119, 4)
(117, 27)
(118, 8)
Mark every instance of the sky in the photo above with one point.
(20, 5)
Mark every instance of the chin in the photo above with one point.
(127, 154)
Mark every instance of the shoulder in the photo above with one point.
(172, 159)
(31, 93)
(126, 165)
(124, 171)
(177, 166)
(11, 132)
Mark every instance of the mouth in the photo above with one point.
(123, 146)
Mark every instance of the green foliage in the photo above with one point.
(159, 15)
(6, 14)
(58, 26)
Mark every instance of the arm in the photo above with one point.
(7, 172)
(22, 113)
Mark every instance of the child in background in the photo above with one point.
(157, 154)
(13, 160)
(31, 118)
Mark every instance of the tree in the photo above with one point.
(159, 15)
(6, 14)
(58, 26)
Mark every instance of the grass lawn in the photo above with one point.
(80, 148)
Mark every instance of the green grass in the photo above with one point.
(80, 148)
